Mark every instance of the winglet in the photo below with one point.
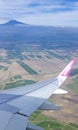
(67, 69)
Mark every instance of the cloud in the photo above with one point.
(59, 19)
(42, 12)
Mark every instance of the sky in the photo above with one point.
(41, 12)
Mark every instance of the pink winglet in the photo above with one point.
(68, 68)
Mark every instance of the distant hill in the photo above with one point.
(14, 22)
(12, 36)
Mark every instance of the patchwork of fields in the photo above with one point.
(32, 67)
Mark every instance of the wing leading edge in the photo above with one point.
(16, 105)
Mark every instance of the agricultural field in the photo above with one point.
(49, 123)
(22, 68)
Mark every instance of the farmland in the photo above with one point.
(30, 66)
(51, 124)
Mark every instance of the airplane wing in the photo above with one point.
(17, 104)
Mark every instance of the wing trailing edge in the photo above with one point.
(49, 106)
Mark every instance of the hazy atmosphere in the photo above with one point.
(41, 12)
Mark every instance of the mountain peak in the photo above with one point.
(14, 22)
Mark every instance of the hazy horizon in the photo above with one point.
(60, 13)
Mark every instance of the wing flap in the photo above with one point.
(9, 121)
(49, 106)
(26, 105)
(8, 108)
(17, 122)
(4, 119)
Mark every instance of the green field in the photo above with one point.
(74, 85)
(49, 123)
(18, 83)
(27, 68)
